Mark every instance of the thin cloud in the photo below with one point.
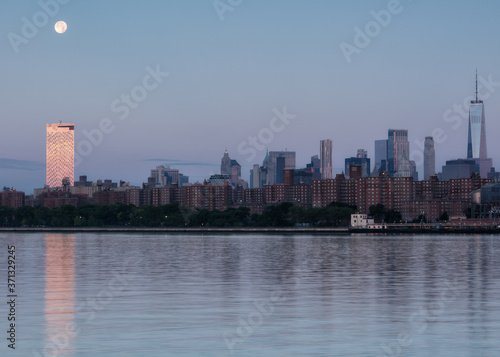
(179, 162)
(24, 165)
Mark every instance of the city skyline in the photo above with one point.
(201, 73)
(60, 160)
(389, 153)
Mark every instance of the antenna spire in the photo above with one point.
(476, 85)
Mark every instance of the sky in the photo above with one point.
(177, 82)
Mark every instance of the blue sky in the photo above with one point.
(228, 78)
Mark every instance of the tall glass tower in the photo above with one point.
(326, 147)
(380, 156)
(397, 144)
(429, 158)
(476, 145)
(279, 160)
(60, 154)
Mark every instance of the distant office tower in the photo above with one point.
(315, 167)
(380, 156)
(219, 180)
(404, 167)
(225, 165)
(255, 177)
(172, 176)
(165, 175)
(303, 177)
(231, 168)
(60, 154)
(274, 165)
(360, 160)
(397, 145)
(326, 159)
(493, 175)
(280, 166)
(413, 170)
(183, 180)
(429, 158)
(458, 169)
(157, 174)
(362, 154)
(235, 172)
(265, 171)
(476, 144)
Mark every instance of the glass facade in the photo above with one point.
(289, 163)
(429, 158)
(397, 145)
(60, 154)
(380, 154)
(364, 162)
(326, 159)
(476, 145)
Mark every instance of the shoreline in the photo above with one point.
(248, 230)
(341, 230)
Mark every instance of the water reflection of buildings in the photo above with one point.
(59, 294)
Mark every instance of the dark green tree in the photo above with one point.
(6, 216)
(378, 212)
(25, 216)
(393, 216)
(444, 216)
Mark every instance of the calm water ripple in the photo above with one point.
(255, 295)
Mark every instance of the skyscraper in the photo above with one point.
(361, 160)
(362, 154)
(60, 154)
(315, 167)
(429, 158)
(280, 166)
(404, 167)
(380, 156)
(275, 165)
(255, 177)
(235, 172)
(397, 145)
(326, 159)
(225, 164)
(230, 168)
(476, 143)
(265, 171)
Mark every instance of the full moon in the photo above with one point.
(60, 26)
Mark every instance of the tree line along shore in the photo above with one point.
(176, 216)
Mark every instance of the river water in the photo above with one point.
(154, 295)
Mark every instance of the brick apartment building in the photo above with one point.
(12, 198)
(411, 198)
